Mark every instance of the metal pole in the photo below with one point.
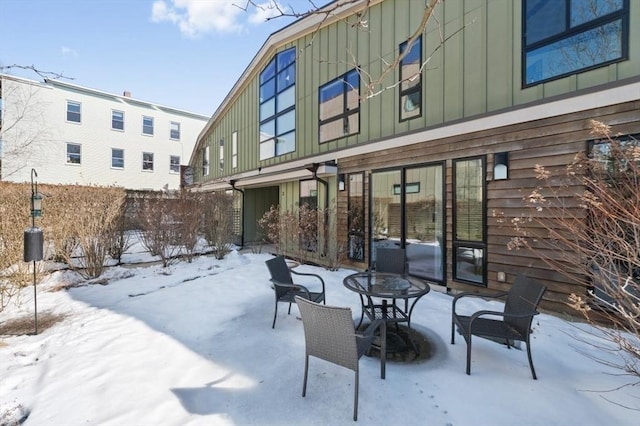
(33, 225)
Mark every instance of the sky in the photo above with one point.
(192, 344)
(186, 54)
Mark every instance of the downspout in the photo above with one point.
(314, 169)
(233, 186)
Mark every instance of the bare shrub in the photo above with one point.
(585, 225)
(218, 223)
(159, 234)
(189, 221)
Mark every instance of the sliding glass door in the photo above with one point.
(407, 211)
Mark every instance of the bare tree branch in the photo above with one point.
(44, 74)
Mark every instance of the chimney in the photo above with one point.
(126, 94)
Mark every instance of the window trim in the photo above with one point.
(415, 89)
(69, 102)
(113, 120)
(152, 125)
(171, 130)
(151, 170)
(621, 15)
(67, 156)
(171, 171)
(112, 157)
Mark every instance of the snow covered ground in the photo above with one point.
(192, 344)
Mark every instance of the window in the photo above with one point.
(205, 161)
(411, 80)
(221, 154)
(356, 216)
(234, 150)
(563, 37)
(147, 126)
(469, 221)
(73, 153)
(117, 120)
(147, 161)
(174, 164)
(277, 105)
(339, 108)
(174, 131)
(308, 203)
(73, 111)
(117, 158)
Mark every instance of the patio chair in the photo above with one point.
(330, 335)
(392, 260)
(513, 324)
(284, 287)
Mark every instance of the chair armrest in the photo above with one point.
(501, 314)
(459, 296)
(309, 275)
(292, 287)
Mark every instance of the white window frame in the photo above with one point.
(115, 111)
(172, 130)
(171, 157)
(79, 112)
(143, 162)
(112, 157)
(147, 117)
(68, 156)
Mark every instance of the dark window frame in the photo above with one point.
(70, 156)
(469, 244)
(282, 64)
(621, 15)
(416, 89)
(346, 113)
(146, 162)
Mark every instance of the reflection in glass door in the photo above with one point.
(407, 210)
(424, 222)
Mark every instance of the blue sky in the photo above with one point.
(181, 53)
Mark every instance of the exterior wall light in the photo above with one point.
(500, 165)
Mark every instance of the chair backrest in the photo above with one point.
(391, 260)
(329, 333)
(523, 298)
(279, 270)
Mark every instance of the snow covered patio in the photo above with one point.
(193, 344)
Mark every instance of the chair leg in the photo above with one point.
(453, 332)
(306, 369)
(275, 315)
(533, 371)
(289, 313)
(355, 399)
(469, 355)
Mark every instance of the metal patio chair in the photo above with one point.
(330, 335)
(285, 289)
(514, 323)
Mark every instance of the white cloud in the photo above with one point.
(266, 10)
(67, 51)
(196, 17)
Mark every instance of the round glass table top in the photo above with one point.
(383, 284)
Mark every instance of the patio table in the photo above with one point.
(389, 287)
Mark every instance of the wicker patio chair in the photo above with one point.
(284, 287)
(514, 324)
(330, 335)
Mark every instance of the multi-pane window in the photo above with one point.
(147, 125)
(205, 161)
(147, 161)
(339, 110)
(563, 37)
(117, 158)
(73, 153)
(469, 220)
(174, 130)
(73, 111)
(277, 105)
(174, 164)
(117, 120)
(234, 150)
(411, 79)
